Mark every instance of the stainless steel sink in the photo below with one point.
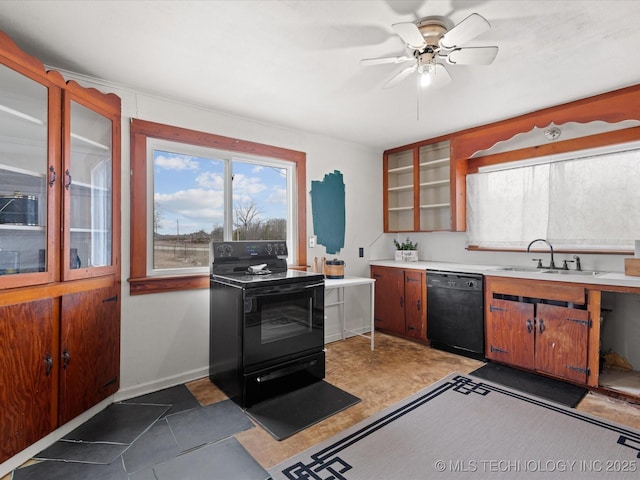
(550, 271)
(574, 272)
(521, 269)
(588, 273)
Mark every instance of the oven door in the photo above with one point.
(282, 322)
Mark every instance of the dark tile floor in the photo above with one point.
(167, 435)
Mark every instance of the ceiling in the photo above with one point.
(296, 63)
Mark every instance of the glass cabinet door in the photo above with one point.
(88, 192)
(24, 177)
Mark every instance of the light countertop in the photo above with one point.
(617, 279)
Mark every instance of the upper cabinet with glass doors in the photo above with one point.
(399, 191)
(88, 187)
(418, 188)
(57, 164)
(28, 175)
(435, 187)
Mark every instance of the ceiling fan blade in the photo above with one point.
(400, 76)
(472, 56)
(410, 34)
(380, 61)
(440, 77)
(467, 29)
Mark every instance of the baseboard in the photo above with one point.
(159, 384)
(14, 462)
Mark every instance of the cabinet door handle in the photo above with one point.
(52, 176)
(67, 174)
(402, 301)
(529, 326)
(66, 358)
(48, 364)
(418, 304)
(541, 325)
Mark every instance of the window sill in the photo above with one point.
(594, 251)
(144, 285)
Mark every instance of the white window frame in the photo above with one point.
(228, 157)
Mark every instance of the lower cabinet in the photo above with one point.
(90, 350)
(526, 328)
(400, 301)
(58, 357)
(28, 377)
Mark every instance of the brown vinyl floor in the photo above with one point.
(394, 370)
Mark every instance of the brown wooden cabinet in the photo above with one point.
(538, 326)
(90, 358)
(59, 248)
(28, 377)
(561, 342)
(419, 194)
(509, 333)
(400, 301)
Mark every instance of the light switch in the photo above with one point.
(312, 242)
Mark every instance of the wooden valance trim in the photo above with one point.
(611, 107)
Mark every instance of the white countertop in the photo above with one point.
(346, 281)
(617, 279)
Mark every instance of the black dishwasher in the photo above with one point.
(455, 312)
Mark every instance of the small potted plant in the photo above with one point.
(406, 251)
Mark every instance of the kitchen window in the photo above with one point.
(189, 188)
(580, 201)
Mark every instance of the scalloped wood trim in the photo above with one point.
(611, 107)
(20, 61)
(15, 58)
(10, 50)
(108, 101)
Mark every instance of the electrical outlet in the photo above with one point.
(312, 242)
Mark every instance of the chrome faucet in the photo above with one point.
(552, 264)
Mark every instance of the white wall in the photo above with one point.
(451, 247)
(165, 335)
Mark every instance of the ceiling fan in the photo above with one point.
(436, 41)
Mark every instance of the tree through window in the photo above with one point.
(193, 189)
(207, 187)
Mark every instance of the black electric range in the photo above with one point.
(266, 322)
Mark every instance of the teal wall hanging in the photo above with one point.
(328, 211)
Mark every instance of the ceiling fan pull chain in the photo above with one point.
(418, 99)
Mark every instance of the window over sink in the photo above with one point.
(580, 201)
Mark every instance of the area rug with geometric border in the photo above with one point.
(462, 427)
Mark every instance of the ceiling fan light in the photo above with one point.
(425, 79)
